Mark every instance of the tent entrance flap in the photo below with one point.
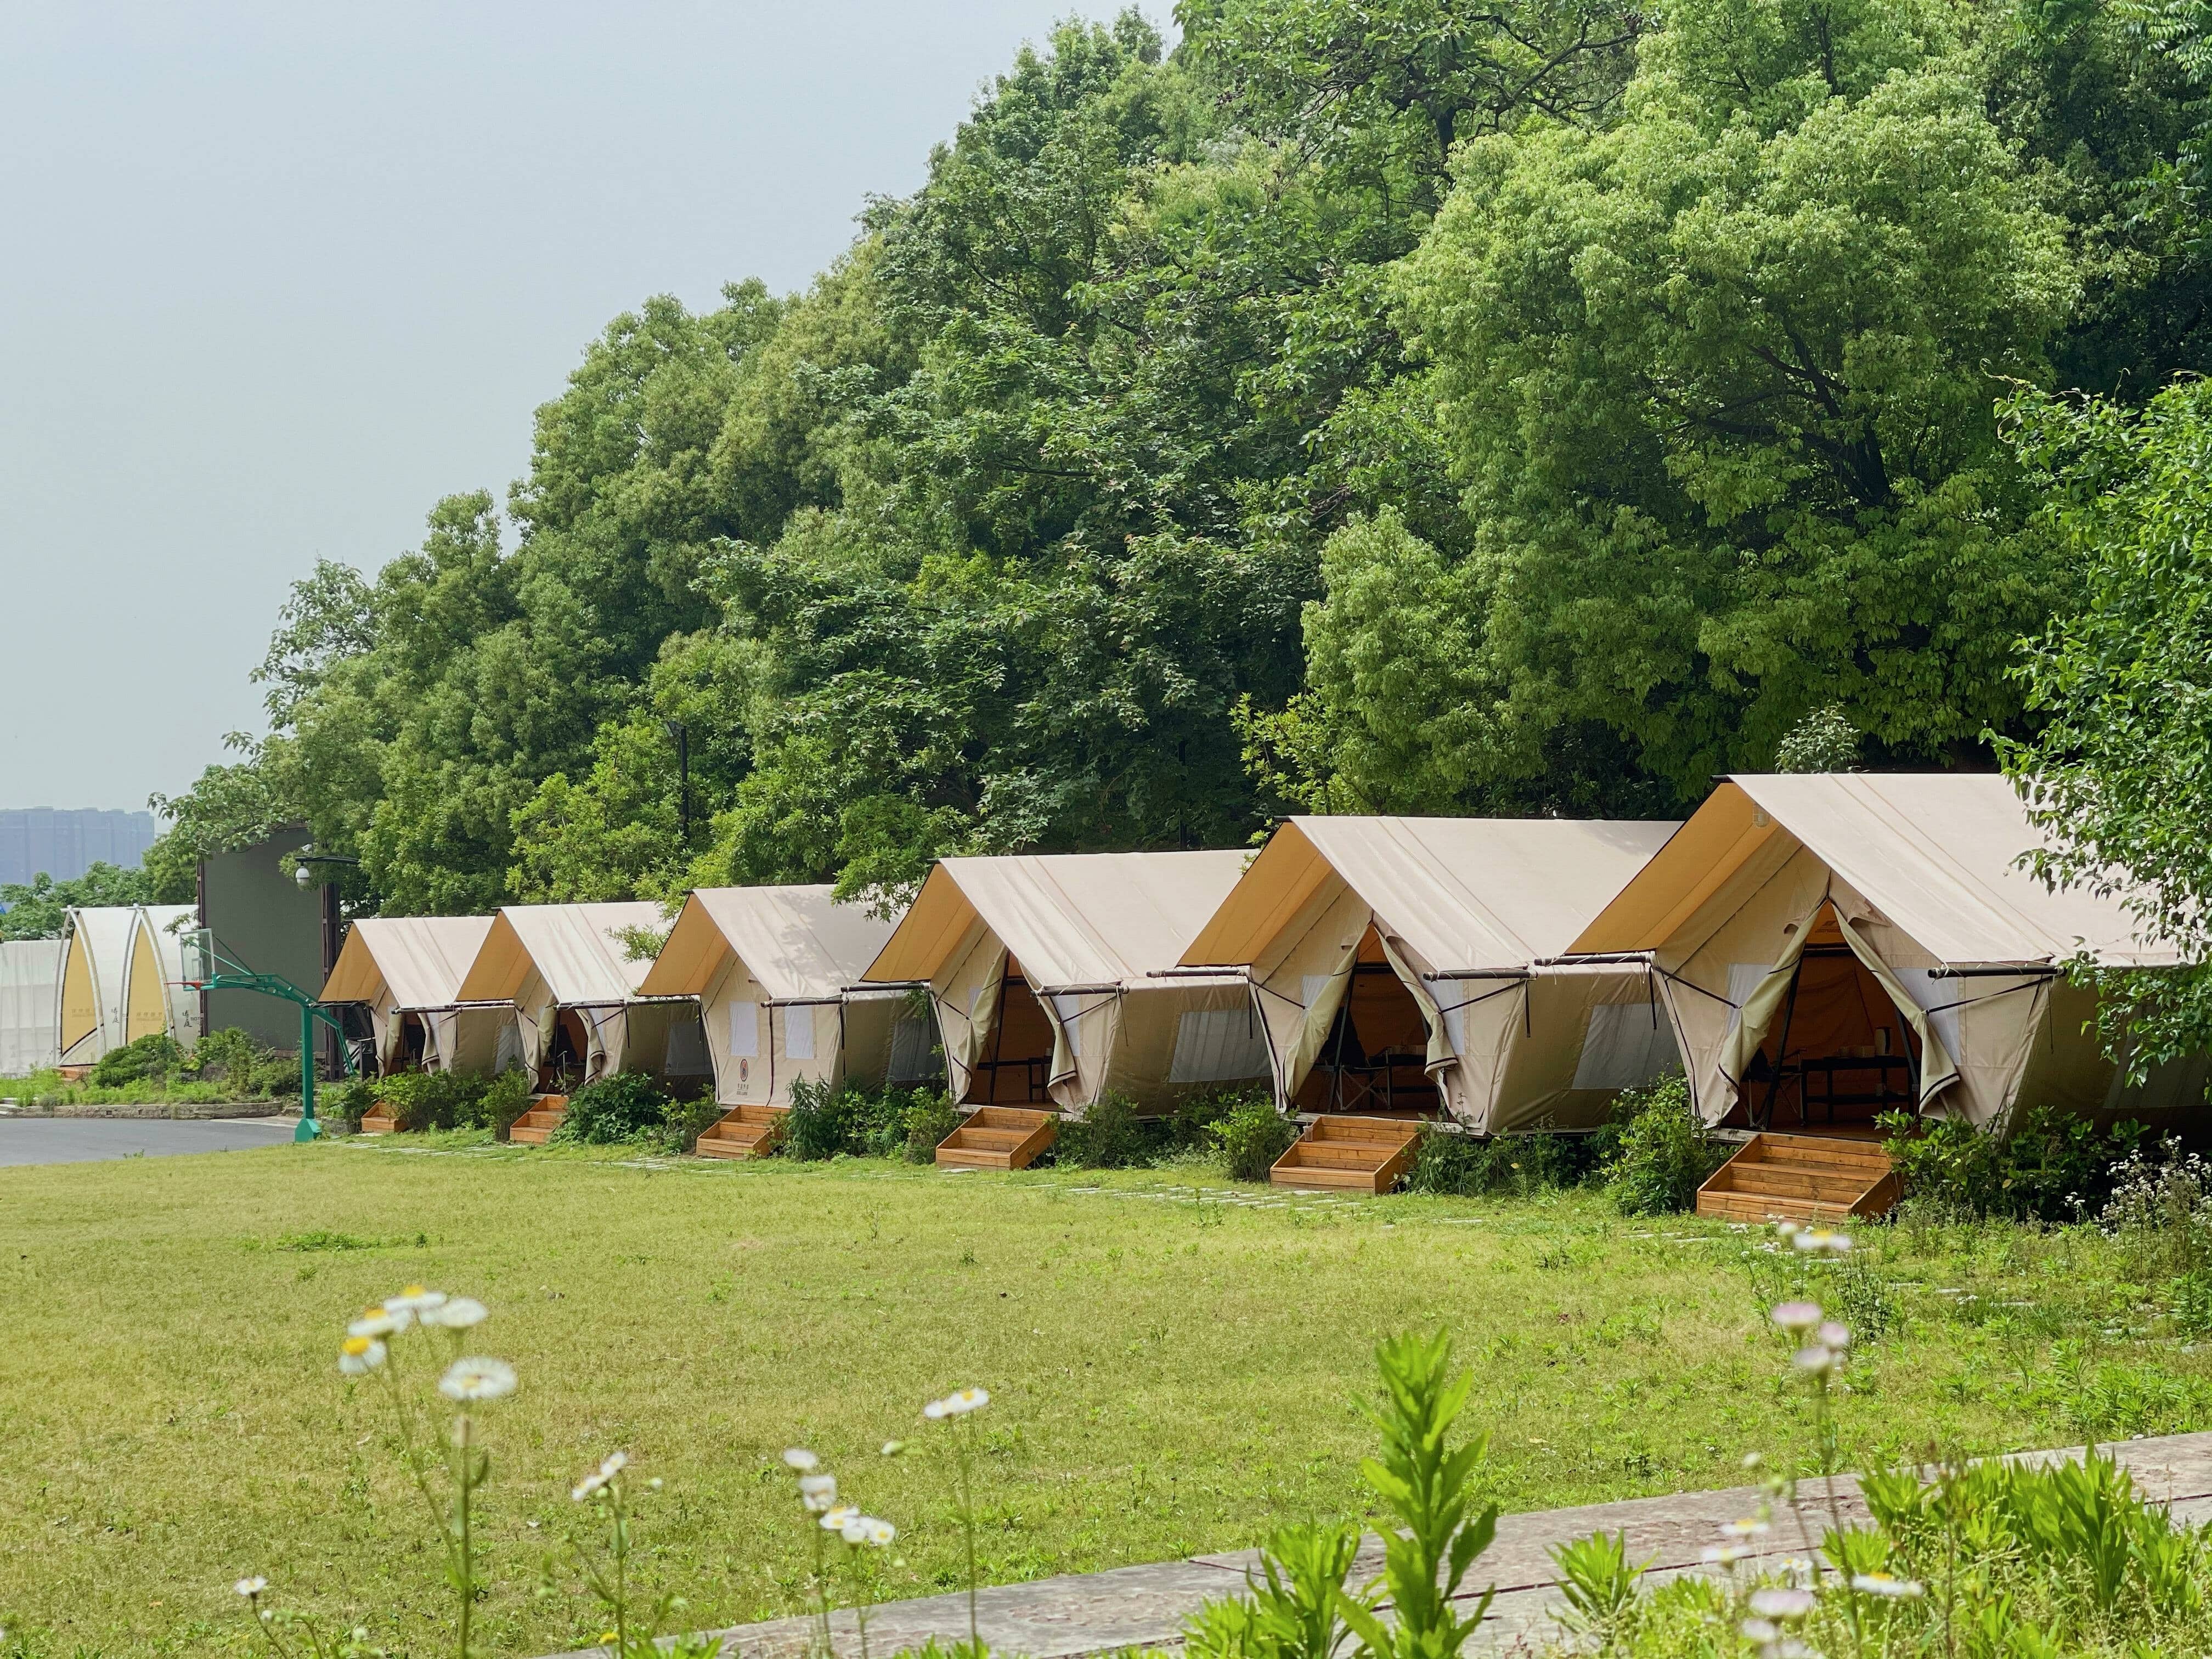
(1015, 1067)
(1376, 1057)
(1828, 1037)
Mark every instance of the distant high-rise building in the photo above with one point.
(64, 843)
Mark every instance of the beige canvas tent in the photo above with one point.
(1394, 964)
(407, 972)
(122, 978)
(1831, 946)
(770, 967)
(1056, 983)
(569, 975)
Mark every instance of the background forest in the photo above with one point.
(1402, 405)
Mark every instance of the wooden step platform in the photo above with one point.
(379, 1121)
(744, 1132)
(1804, 1177)
(999, 1138)
(1338, 1153)
(535, 1127)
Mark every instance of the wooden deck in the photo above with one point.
(1802, 1177)
(999, 1138)
(744, 1132)
(1339, 1153)
(535, 1127)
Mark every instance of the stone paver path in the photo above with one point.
(1098, 1612)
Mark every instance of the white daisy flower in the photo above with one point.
(879, 1532)
(957, 1404)
(380, 1321)
(839, 1516)
(590, 1486)
(414, 1299)
(1888, 1586)
(457, 1312)
(797, 1457)
(854, 1531)
(1747, 1529)
(1773, 1603)
(1787, 1228)
(1757, 1629)
(250, 1588)
(1813, 1360)
(613, 1464)
(1797, 1317)
(817, 1491)
(1819, 1241)
(476, 1378)
(1833, 1336)
(360, 1355)
(1724, 1555)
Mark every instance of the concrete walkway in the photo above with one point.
(1144, 1606)
(89, 1139)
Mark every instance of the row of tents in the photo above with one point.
(1815, 948)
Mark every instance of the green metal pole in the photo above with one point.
(308, 1128)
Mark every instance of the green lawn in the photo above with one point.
(1169, 1375)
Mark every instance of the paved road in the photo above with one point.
(86, 1140)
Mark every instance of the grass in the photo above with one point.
(50, 1087)
(1169, 1375)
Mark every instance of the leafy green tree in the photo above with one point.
(36, 908)
(2118, 775)
(1719, 383)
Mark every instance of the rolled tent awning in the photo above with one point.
(1923, 877)
(1098, 939)
(770, 967)
(1464, 911)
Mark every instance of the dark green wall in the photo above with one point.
(264, 921)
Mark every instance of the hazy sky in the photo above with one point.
(273, 278)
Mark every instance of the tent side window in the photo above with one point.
(1218, 1045)
(799, 1032)
(745, 1030)
(1622, 1048)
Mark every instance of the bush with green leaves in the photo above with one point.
(2053, 1166)
(1448, 1162)
(930, 1117)
(1658, 1149)
(152, 1058)
(1109, 1135)
(1251, 1135)
(626, 1106)
(226, 1056)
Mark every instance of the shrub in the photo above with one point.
(930, 1117)
(152, 1059)
(1110, 1136)
(625, 1107)
(1252, 1135)
(505, 1098)
(276, 1074)
(350, 1102)
(1462, 1165)
(2053, 1166)
(226, 1056)
(1660, 1151)
(687, 1119)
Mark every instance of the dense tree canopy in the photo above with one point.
(1369, 405)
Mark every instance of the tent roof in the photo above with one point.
(1464, 893)
(797, 942)
(1936, 853)
(572, 946)
(1070, 918)
(420, 960)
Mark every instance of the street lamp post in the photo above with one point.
(682, 738)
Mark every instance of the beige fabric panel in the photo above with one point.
(1133, 1054)
(797, 941)
(534, 1013)
(1749, 923)
(420, 961)
(468, 1039)
(803, 1043)
(1298, 986)
(967, 999)
(740, 1080)
(1541, 1030)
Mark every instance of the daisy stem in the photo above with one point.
(967, 1528)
